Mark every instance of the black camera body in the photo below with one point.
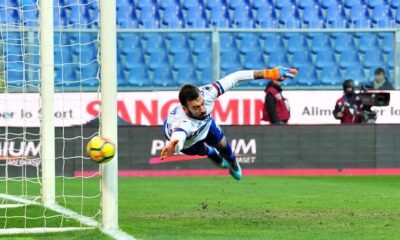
(366, 99)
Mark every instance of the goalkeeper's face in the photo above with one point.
(196, 108)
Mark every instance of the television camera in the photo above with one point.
(366, 98)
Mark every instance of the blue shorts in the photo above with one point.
(214, 136)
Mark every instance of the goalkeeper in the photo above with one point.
(190, 128)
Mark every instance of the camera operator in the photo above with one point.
(347, 110)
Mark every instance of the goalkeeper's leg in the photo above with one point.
(225, 149)
(216, 158)
(216, 138)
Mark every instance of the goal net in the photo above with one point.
(42, 182)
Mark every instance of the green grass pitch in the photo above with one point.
(254, 208)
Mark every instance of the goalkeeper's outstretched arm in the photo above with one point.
(277, 74)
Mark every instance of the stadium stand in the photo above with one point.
(143, 54)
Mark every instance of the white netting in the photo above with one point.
(76, 71)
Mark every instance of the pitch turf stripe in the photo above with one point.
(250, 172)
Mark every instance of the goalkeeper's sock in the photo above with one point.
(214, 156)
(234, 168)
(228, 154)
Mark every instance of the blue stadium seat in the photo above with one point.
(289, 82)
(351, 3)
(348, 59)
(230, 59)
(134, 58)
(330, 76)
(147, 17)
(373, 58)
(394, 4)
(272, 43)
(253, 60)
(185, 74)
(218, 18)
(283, 4)
(171, 18)
(162, 77)
(358, 17)
(390, 59)
(87, 73)
(248, 42)
(256, 4)
(30, 13)
(15, 74)
(125, 17)
(183, 58)
(158, 59)
(128, 41)
(211, 4)
(305, 4)
(288, 18)
(328, 3)
(320, 42)
(277, 59)
(121, 81)
(177, 42)
(227, 41)
(335, 17)
(397, 18)
(9, 16)
(191, 4)
(301, 59)
(65, 75)
(152, 42)
(84, 55)
(92, 12)
(62, 55)
(296, 42)
(137, 77)
(200, 42)
(241, 18)
(264, 17)
(74, 16)
(13, 53)
(373, 3)
(82, 38)
(356, 73)
(367, 42)
(203, 59)
(388, 43)
(204, 76)
(381, 17)
(307, 76)
(343, 42)
(194, 18)
(325, 58)
(166, 4)
(233, 4)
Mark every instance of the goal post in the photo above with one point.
(47, 102)
(109, 125)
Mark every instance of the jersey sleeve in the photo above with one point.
(180, 130)
(219, 87)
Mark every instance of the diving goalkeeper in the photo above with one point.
(190, 128)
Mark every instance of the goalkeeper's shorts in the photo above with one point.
(214, 136)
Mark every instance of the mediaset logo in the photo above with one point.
(244, 149)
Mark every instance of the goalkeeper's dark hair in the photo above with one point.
(188, 92)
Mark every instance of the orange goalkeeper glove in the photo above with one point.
(280, 73)
(169, 150)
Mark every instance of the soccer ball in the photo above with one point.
(100, 149)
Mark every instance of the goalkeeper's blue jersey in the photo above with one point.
(196, 130)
